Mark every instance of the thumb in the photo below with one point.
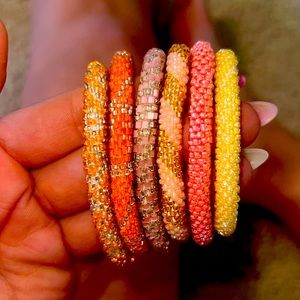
(3, 54)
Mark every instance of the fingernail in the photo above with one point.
(256, 156)
(266, 111)
(242, 80)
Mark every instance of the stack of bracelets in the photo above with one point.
(133, 148)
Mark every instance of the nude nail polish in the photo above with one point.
(256, 156)
(266, 111)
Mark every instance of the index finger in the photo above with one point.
(43, 133)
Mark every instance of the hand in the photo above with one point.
(45, 224)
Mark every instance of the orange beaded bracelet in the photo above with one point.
(95, 161)
(120, 145)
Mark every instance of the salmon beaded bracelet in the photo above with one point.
(170, 143)
(120, 146)
(200, 142)
(96, 161)
(228, 148)
(145, 139)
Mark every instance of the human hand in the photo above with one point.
(45, 224)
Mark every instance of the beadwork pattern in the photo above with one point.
(96, 161)
(170, 143)
(200, 141)
(227, 162)
(120, 145)
(145, 140)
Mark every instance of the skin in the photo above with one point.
(44, 213)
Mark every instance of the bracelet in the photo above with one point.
(120, 146)
(96, 161)
(200, 142)
(170, 143)
(228, 148)
(145, 139)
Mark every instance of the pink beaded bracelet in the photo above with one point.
(145, 139)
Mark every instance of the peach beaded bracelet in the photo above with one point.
(170, 143)
(120, 146)
(228, 147)
(96, 161)
(145, 139)
(200, 142)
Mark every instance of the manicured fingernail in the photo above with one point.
(256, 156)
(242, 80)
(266, 111)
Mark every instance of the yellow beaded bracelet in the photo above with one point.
(228, 148)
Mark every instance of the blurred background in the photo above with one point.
(262, 262)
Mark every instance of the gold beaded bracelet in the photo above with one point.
(96, 161)
(170, 143)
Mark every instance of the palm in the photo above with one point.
(33, 256)
(32, 253)
(43, 200)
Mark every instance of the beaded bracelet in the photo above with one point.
(170, 143)
(228, 148)
(120, 146)
(200, 141)
(145, 139)
(96, 161)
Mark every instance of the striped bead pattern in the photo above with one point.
(227, 162)
(145, 140)
(96, 161)
(121, 147)
(200, 142)
(170, 143)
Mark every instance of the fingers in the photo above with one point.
(190, 23)
(3, 54)
(80, 235)
(250, 124)
(45, 132)
(246, 173)
(61, 187)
